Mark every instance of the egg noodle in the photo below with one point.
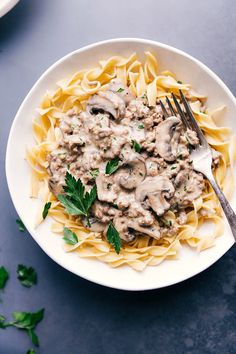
(140, 78)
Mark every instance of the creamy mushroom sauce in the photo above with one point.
(147, 183)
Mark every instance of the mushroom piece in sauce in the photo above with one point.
(156, 189)
(167, 138)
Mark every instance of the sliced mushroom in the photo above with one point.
(156, 189)
(128, 229)
(121, 226)
(107, 101)
(95, 225)
(167, 138)
(55, 186)
(122, 90)
(107, 191)
(132, 172)
(189, 185)
(152, 231)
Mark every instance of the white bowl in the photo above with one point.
(187, 69)
(6, 6)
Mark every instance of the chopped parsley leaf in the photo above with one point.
(113, 237)
(20, 224)
(141, 126)
(120, 89)
(136, 146)
(4, 276)
(94, 173)
(46, 208)
(27, 276)
(70, 237)
(112, 165)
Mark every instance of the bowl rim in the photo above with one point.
(18, 113)
(7, 7)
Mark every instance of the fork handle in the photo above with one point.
(229, 213)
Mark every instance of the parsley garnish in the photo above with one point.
(144, 95)
(46, 208)
(141, 126)
(27, 276)
(30, 351)
(69, 236)
(120, 90)
(21, 226)
(113, 237)
(75, 200)
(94, 173)
(114, 206)
(167, 223)
(136, 146)
(180, 156)
(179, 82)
(26, 321)
(112, 165)
(4, 275)
(173, 167)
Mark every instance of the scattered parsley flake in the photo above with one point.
(115, 206)
(136, 146)
(30, 351)
(46, 208)
(20, 224)
(173, 167)
(4, 276)
(141, 126)
(144, 96)
(112, 165)
(180, 156)
(94, 173)
(26, 275)
(120, 89)
(70, 237)
(179, 82)
(113, 237)
(166, 222)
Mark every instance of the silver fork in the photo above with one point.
(201, 155)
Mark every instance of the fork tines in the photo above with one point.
(186, 116)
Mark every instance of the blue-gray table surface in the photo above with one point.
(194, 317)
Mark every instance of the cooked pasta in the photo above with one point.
(142, 78)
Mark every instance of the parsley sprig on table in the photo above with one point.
(20, 224)
(75, 200)
(4, 275)
(26, 275)
(26, 321)
(113, 237)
